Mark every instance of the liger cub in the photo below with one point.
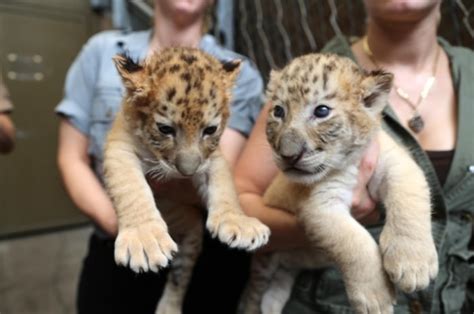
(172, 117)
(324, 112)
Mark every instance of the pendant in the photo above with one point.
(416, 123)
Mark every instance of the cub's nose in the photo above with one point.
(291, 147)
(187, 164)
(293, 158)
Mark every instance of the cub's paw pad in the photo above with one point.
(238, 230)
(144, 247)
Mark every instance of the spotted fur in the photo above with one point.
(172, 117)
(325, 111)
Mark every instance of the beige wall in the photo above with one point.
(39, 40)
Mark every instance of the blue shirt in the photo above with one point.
(93, 90)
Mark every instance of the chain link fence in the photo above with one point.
(272, 32)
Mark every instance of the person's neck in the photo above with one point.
(168, 33)
(412, 45)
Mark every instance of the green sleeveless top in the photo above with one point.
(322, 291)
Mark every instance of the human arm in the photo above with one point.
(7, 133)
(80, 181)
(75, 136)
(7, 128)
(231, 145)
(363, 204)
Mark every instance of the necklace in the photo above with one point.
(416, 122)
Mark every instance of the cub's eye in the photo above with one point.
(278, 112)
(166, 129)
(322, 111)
(210, 130)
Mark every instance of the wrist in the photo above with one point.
(108, 222)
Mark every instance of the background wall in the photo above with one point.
(39, 40)
(39, 272)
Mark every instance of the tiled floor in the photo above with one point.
(38, 274)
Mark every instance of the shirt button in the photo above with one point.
(415, 307)
(466, 216)
(471, 168)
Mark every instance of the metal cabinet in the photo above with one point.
(38, 42)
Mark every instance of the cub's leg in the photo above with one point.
(262, 271)
(143, 240)
(226, 220)
(275, 298)
(330, 227)
(181, 270)
(272, 277)
(281, 284)
(408, 250)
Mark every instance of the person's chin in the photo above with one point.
(403, 10)
(186, 8)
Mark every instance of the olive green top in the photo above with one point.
(322, 291)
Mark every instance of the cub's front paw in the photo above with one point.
(372, 294)
(238, 230)
(409, 261)
(144, 247)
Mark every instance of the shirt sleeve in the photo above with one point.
(247, 99)
(5, 103)
(80, 84)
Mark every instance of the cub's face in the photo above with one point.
(177, 103)
(324, 110)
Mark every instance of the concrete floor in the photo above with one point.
(39, 274)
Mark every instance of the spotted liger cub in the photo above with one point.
(172, 117)
(325, 111)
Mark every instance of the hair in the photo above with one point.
(209, 17)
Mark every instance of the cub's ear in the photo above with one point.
(231, 70)
(376, 85)
(130, 71)
(275, 76)
(273, 82)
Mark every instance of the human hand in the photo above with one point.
(7, 134)
(363, 206)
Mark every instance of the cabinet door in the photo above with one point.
(37, 45)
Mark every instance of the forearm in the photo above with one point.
(88, 194)
(7, 134)
(231, 145)
(286, 231)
